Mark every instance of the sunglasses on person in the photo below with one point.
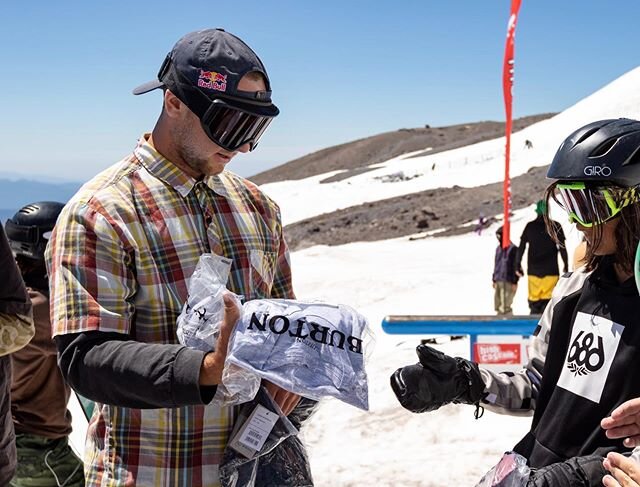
(590, 206)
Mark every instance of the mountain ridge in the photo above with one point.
(356, 156)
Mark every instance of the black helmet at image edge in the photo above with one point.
(606, 150)
(30, 228)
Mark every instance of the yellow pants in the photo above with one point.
(541, 287)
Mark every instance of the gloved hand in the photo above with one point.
(584, 471)
(437, 380)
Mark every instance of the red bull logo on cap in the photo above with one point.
(212, 80)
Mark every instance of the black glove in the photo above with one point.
(437, 380)
(576, 472)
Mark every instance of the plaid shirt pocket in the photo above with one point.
(262, 272)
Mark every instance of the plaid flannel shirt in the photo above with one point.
(119, 261)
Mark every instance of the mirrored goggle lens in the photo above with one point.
(231, 128)
(587, 207)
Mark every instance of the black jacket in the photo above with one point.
(592, 354)
(542, 258)
(582, 362)
(14, 301)
(504, 268)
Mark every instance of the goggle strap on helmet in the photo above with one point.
(21, 233)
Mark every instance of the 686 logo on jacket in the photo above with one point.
(594, 342)
(585, 358)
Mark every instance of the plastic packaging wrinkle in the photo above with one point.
(198, 326)
(281, 461)
(511, 471)
(309, 348)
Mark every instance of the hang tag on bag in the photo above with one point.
(253, 433)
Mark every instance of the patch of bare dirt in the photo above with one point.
(453, 210)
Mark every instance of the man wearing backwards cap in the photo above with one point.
(123, 251)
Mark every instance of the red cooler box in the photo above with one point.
(501, 352)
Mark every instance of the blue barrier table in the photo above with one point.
(472, 325)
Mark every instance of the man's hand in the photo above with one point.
(625, 472)
(285, 399)
(624, 422)
(213, 363)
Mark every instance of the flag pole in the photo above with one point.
(507, 87)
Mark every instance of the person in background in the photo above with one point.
(39, 394)
(542, 258)
(585, 348)
(505, 279)
(481, 224)
(16, 329)
(122, 254)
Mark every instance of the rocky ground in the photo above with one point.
(451, 210)
(454, 210)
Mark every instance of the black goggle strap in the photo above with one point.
(629, 197)
(21, 233)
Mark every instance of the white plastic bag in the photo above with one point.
(321, 353)
(511, 471)
(199, 326)
(310, 348)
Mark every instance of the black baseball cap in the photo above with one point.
(208, 64)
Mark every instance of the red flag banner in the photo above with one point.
(507, 86)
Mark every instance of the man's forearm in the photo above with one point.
(112, 369)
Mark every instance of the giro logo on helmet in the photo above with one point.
(597, 171)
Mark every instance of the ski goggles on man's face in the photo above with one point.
(231, 128)
(590, 206)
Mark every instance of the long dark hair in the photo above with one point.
(627, 234)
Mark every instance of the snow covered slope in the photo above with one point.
(469, 166)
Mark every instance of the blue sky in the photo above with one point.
(340, 70)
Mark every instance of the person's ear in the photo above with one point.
(173, 107)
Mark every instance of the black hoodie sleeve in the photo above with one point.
(111, 368)
(584, 471)
(524, 239)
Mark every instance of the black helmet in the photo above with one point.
(29, 229)
(607, 150)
